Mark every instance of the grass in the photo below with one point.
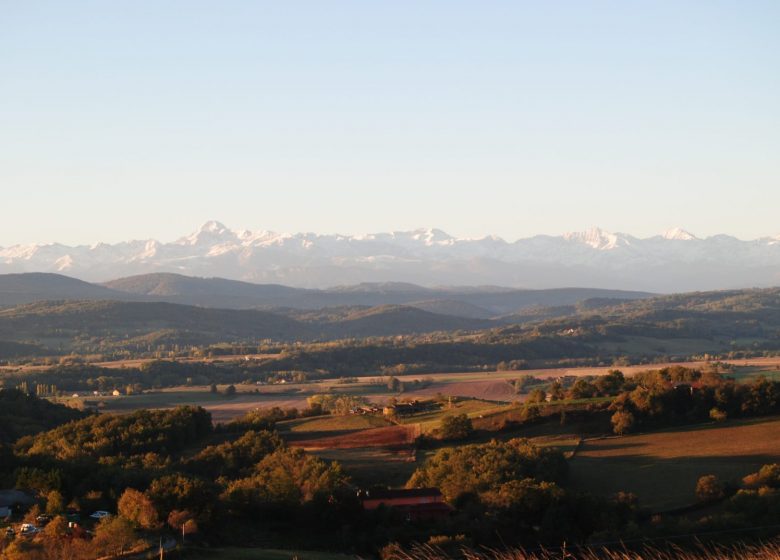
(669, 550)
(473, 408)
(496, 418)
(369, 466)
(749, 374)
(662, 468)
(345, 423)
(260, 554)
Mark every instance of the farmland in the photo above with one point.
(489, 389)
(662, 468)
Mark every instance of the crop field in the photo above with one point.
(388, 437)
(221, 407)
(662, 468)
(367, 453)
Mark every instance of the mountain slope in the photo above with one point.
(399, 319)
(104, 326)
(141, 324)
(471, 302)
(16, 289)
(671, 262)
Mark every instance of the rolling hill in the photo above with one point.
(473, 302)
(16, 289)
(99, 326)
(482, 301)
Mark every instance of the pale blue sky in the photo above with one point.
(144, 119)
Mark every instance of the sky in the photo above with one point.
(144, 119)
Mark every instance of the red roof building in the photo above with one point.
(417, 503)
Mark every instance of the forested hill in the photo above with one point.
(22, 415)
(481, 301)
(711, 321)
(102, 326)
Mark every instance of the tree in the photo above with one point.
(286, 476)
(178, 491)
(394, 384)
(709, 489)
(230, 391)
(456, 427)
(56, 528)
(55, 503)
(556, 391)
(32, 514)
(536, 396)
(184, 521)
(114, 535)
(137, 508)
(484, 468)
(622, 422)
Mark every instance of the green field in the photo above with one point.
(320, 424)
(473, 408)
(748, 374)
(662, 468)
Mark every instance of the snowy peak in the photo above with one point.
(598, 239)
(431, 236)
(210, 232)
(674, 261)
(678, 234)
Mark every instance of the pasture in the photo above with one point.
(662, 468)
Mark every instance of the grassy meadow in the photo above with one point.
(662, 468)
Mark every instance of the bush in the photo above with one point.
(709, 489)
(456, 427)
(718, 415)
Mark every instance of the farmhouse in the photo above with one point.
(12, 500)
(416, 503)
(408, 408)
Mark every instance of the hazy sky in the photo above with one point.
(144, 119)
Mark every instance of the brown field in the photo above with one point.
(545, 373)
(216, 359)
(389, 437)
(368, 466)
(492, 390)
(662, 468)
(222, 409)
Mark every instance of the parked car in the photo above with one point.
(100, 514)
(9, 532)
(28, 529)
(43, 519)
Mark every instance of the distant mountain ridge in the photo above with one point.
(671, 262)
(470, 302)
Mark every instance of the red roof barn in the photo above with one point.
(417, 503)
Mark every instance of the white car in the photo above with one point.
(100, 514)
(28, 529)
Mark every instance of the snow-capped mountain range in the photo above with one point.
(673, 261)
